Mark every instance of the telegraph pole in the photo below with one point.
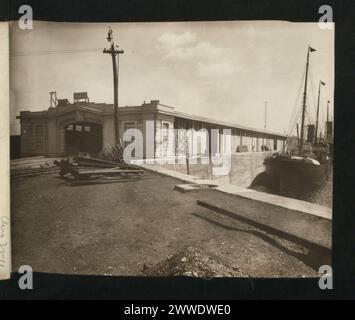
(265, 115)
(114, 52)
(265, 109)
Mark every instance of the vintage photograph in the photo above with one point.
(201, 149)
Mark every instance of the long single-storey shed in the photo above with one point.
(84, 126)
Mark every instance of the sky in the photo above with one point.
(221, 70)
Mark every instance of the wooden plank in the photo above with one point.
(108, 171)
(34, 173)
(99, 181)
(19, 160)
(87, 161)
(79, 158)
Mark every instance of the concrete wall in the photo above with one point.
(244, 168)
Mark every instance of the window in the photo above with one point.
(165, 138)
(39, 135)
(129, 125)
(87, 128)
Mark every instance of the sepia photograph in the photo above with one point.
(199, 149)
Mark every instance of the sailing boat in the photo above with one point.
(307, 168)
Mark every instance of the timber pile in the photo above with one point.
(33, 166)
(99, 163)
(86, 170)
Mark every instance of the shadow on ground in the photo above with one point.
(311, 258)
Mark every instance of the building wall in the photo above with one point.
(60, 136)
(26, 138)
(164, 136)
(108, 132)
(30, 144)
(157, 144)
(148, 125)
(52, 140)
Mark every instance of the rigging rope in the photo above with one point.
(314, 100)
(296, 109)
(30, 53)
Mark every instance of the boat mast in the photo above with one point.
(321, 83)
(326, 127)
(304, 101)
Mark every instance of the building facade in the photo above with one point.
(88, 127)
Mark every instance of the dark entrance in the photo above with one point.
(83, 137)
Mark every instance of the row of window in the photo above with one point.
(78, 127)
(127, 125)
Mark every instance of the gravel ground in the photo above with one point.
(131, 227)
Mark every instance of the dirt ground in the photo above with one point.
(132, 228)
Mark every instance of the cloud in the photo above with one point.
(185, 46)
(170, 39)
(214, 69)
(205, 51)
(204, 59)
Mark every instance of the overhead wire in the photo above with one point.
(44, 52)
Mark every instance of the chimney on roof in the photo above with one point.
(81, 97)
(53, 99)
(154, 103)
(62, 102)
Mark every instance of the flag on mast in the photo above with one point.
(311, 49)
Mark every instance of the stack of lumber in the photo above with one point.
(28, 167)
(99, 163)
(86, 170)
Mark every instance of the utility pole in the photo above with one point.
(265, 123)
(265, 115)
(114, 52)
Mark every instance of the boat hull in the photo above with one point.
(286, 173)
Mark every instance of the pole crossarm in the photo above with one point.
(115, 51)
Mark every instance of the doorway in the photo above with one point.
(83, 137)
